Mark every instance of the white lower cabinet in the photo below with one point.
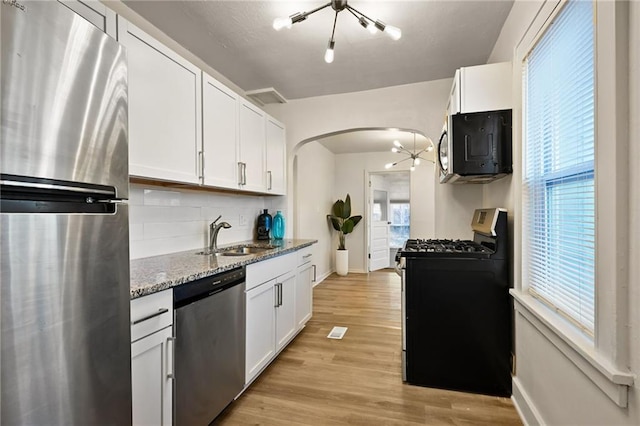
(151, 372)
(261, 329)
(270, 303)
(285, 310)
(304, 294)
(152, 359)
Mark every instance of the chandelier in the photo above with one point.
(413, 155)
(339, 5)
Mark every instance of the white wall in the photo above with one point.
(419, 106)
(351, 174)
(551, 389)
(166, 220)
(314, 179)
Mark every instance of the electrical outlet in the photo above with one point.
(242, 220)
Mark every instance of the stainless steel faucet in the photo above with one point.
(213, 233)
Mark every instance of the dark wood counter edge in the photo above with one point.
(145, 288)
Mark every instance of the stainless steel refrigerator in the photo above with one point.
(65, 346)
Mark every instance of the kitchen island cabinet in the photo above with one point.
(165, 134)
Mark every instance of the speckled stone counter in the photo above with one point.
(152, 274)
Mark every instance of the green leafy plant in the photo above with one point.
(341, 219)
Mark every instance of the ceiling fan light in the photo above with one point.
(329, 54)
(393, 32)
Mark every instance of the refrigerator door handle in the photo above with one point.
(54, 187)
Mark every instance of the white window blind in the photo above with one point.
(558, 180)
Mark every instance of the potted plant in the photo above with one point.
(343, 222)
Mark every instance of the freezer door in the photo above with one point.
(65, 319)
(64, 97)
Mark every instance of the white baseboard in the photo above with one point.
(323, 277)
(526, 410)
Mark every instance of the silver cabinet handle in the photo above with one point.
(148, 317)
(171, 358)
(240, 173)
(201, 166)
(306, 256)
(270, 187)
(314, 274)
(280, 294)
(244, 173)
(275, 287)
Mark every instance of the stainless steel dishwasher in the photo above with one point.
(210, 346)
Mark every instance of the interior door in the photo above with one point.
(379, 229)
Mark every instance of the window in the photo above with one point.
(399, 229)
(559, 156)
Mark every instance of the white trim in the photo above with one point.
(576, 347)
(605, 360)
(527, 411)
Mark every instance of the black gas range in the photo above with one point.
(456, 309)
(445, 248)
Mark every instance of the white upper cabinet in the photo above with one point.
(481, 88)
(96, 13)
(220, 134)
(165, 133)
(251, 162)
(276, 157)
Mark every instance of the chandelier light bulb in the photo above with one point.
(394, 149)
(412, 168)
(397, 143)
(328, 56)
(393, 32)
(389, 165)
(280, 23)
(429, 148)
(416, 161)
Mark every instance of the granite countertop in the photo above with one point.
(152, 274)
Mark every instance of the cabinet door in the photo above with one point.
(95, 12)
(151, 372)
(276, 157)
(304, 294)
(260, 338)
(220, 134)
(252, 147)
(285, 312)
(165, 134)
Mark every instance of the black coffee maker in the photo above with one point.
(264, 225)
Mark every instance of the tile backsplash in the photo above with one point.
(166, 220)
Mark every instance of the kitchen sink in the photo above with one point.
(237, 251)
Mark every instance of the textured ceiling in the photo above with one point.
(236, 38)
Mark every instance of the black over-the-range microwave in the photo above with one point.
(475, 147)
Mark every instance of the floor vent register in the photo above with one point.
(337, 332)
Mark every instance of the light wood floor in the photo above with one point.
(357, 380)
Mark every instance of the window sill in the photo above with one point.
(576, 347)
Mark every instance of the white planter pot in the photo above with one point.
(342, 262)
